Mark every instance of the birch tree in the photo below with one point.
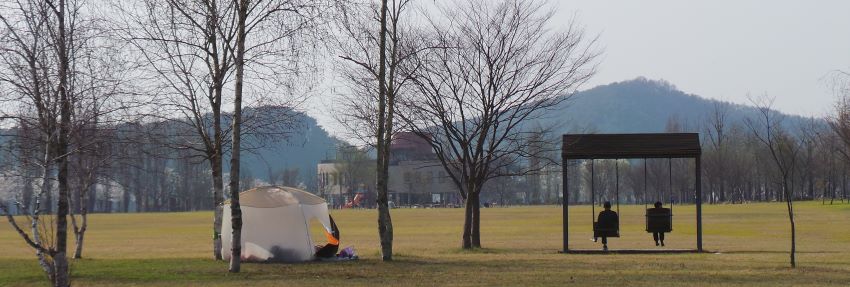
(41, 34)
(37, 37)
(67, 82)
(235, 209)
(376, 47)
(187, 49)
(268, 45)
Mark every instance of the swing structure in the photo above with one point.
(632, 146)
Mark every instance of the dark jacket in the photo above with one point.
(608, 219)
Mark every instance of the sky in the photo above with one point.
(719, 49)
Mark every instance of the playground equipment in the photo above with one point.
(621, 146)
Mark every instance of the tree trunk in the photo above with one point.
(475, 233)
(384, 132)
(34, 228)
(235, 209)
(385, 229)
(125, 194)
(90, 202)
(218, 200)
(466, 238)
(216, 161)
(107, 202)
(789, 201)
(793, 234)
(80, 236)
(471, 237)
(80, 232)
(59, 258)
(60, 273)
(844, 186)
(27, 193)
(48, 202)
(139, 190)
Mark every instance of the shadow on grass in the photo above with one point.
(483, 266)
(771, 252)
(477, 251)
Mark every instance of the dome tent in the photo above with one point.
(275, 224)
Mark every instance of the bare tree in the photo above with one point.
(716, 128)
(811, 141)
(839, 121)
(29, 100)
(188, 50)
(369, 113)
(273, 53)
(86, 169)
(64, 73)
(187, 46)
(768, 129)
(42, 35)
(235, 208)
(502, 66)
(386, 108)
(98, 87)
(839, 124)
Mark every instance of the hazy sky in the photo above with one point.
(723, 49)
(716, 49)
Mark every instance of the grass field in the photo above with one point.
(748, 246)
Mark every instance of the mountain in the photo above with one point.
(641, 106)
(634, 106)
(304, 146)
(303, 149)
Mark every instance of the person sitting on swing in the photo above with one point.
(607, 220)
(657, 235)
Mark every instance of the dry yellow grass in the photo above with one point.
(748, 245)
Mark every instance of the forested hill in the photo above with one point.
(632, 106)
(638, 105)
(297, 154)
(642, 105)
(302, 150)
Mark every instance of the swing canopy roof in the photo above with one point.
(616, 146)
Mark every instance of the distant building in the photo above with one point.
(340, 181)
(416, 177)
(330, 182)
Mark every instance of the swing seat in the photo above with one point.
(605, 230)
(659, 220)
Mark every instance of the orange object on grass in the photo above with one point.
(331, 239)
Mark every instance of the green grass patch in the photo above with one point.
(751, 242)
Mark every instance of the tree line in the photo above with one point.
(737, 167)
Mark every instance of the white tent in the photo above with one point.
(275, 224)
